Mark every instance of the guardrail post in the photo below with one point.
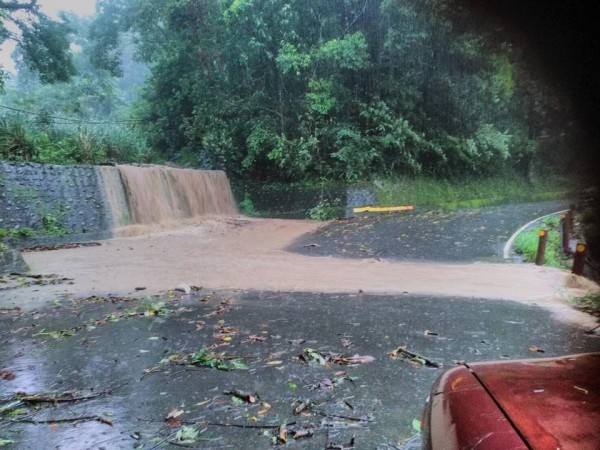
(565, 222)
(539, 258)
(579, 259)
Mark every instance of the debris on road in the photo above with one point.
(245, 396)
(414, 358)
(310, 355)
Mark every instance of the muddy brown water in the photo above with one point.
(250, 283)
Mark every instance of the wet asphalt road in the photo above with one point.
(269, 331)
(477, 234)
(90, 346)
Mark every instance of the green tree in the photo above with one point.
(43, 41)
(278, 90)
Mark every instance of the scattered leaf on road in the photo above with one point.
(247, 397)
(414, 358)
(6, 375)
(172, 418)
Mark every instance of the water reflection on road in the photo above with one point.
(374, 402)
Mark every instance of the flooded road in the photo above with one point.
(276, 347)
(128, 362)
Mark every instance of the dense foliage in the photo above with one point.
(279, 90)
(43, 42)
(82, 119)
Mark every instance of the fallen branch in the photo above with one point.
(64, 397)
(336, 416)
(414, 358)
(240, 425)
(197, 445)
(64, 420)
(247, 397)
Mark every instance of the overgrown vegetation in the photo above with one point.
(324, 210)
(467, 192)
(287, 92)
(278, 91)
(589, 303)
(247, 206)
(21, 232)
(345, 91)
(527, 242)
(23, 140)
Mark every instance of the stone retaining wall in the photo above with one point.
(38, 195)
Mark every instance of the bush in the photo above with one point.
(70, 143)
(247, 206)
(526, 243)
(322, 211)
(16, 143)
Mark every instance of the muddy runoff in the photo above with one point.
(215, 336)
(242, 253)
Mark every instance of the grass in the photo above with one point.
(527, 242)
(472, 193)
(23, 232)
(589, 303)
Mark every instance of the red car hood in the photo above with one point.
(553, 403)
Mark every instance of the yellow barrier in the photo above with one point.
(383, 208)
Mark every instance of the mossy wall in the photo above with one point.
(39, 196)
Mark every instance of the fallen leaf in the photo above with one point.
(357, 359)
(282, 436)
(416, 424)
(274, 363)
(105, 420)
(414, 358)
(304, 404)
(536, 349)
(326, 383)
(6, 375)
(174, 414)
(302, 434)
(247, 397)
(254, 338)
(309, 355)
(585, 391)
(346, 343)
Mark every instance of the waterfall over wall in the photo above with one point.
(84, 199)
(113, 194)
(158, 194)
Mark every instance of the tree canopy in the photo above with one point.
(272, 90)
(43, 42)
(279, 90)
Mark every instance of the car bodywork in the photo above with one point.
(547, 403)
